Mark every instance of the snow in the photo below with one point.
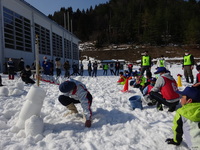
(115, 125)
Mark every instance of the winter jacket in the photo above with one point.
(147, 89)
(188, 60)
(21, 65)
(80, 94)
(122, 80)
(198, 78)
(105, 67)
(66, 66)
(10, 64)
(160, 83)
(187, 122)
(141, 80)
(58, 64)
(161, 63)
(146, 61)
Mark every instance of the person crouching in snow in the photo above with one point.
(122, 79)
(76, 92)
(187, 119)
(147, 90)
(164, 90)
(140, 82)
(26, 74)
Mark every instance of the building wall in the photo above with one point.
(43, 23)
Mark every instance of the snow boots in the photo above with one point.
(72, 108)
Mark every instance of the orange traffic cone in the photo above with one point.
(125, 86)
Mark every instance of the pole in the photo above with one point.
(37, 58)
(65, 21)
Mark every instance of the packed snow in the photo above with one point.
(115, 126)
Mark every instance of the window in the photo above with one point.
(17, 31)
(67, 49)
(57, 45)
(44, 39)
(75, 51)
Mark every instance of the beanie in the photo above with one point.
(66, 86)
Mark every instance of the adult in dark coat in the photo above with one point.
(117, 67)
(21, 64)
(11, 68)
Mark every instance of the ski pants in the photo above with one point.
(66, 100)
(159, 98)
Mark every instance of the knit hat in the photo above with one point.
(192, 93)
(66, 86)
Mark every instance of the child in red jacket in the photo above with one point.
(147, 90)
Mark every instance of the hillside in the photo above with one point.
(132, 53)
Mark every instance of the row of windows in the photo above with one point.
(17, 32)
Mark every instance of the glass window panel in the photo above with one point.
(7, 10)
(8, 45)
(8, 16)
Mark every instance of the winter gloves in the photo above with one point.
(171, 141)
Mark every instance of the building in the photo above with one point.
(20, 23)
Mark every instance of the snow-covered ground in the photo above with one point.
(115, 125)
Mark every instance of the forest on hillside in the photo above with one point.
(152, 22)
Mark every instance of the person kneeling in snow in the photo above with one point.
(26, 74)
(187, 120)
(76, 92)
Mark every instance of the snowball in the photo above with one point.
(34, 126)
(19, 85)
(4, 91)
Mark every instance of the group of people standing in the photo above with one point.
(93, 67)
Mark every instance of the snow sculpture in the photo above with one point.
(32, 105)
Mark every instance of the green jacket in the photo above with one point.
(187, 122)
